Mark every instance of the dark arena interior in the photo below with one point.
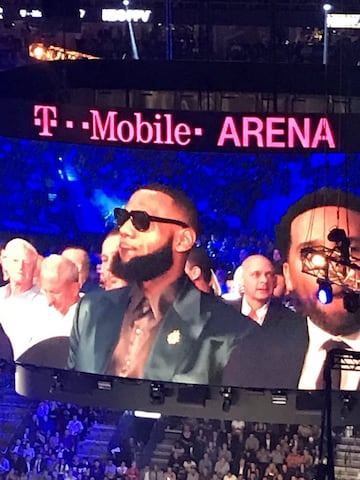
(250, 108)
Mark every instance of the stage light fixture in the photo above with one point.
(227, 394)
(104, 385)
(279, 397)
(324, 293)
(157, 393)
(348, 403)
(334, 266)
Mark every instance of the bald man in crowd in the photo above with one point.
(110, 247)
(59, 281)
(20, 299)
(280, 328)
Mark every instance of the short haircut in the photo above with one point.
(15, 243)
(60, 267)
(79, 256)
(181, 200)
(198, 257)
(324, 197)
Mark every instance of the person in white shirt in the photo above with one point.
(258, 281)
(59, 281)
(293, 351)
(20, 299)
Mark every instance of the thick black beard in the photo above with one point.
(146, 267)
(342, 323)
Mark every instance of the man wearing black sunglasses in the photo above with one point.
(159, 327)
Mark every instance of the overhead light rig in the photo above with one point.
(334, 266)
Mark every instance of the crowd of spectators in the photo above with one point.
(205, 450)
(189, 42)
(244, 451)
(47, 445)
(47, 449)
(50, 189)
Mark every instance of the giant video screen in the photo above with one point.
(170, 262)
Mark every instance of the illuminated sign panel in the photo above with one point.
(30, 13)
(177, 129)
(125, 15)
(65, 169)
(343, 20)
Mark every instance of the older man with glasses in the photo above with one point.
(160, 326)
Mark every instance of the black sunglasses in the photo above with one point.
(141, 220)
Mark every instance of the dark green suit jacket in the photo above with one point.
(208, 330)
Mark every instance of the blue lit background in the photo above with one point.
(69, 191)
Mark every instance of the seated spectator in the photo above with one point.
(96, 470)
(230, 476)
(156, 473)
(212, 452)
(61, 469)
(271, 471)
(110, 469)
(75, 427)
(28, 451)
(39, 464)
(252, 472)
(307, 459)
(252, 444)
(12, 474)
(19, 298)
(110, 246)
(188, 464)
(294, 461)
(187, 439)
(277, 456)
(17, 448)
(225, 452)
(67, 442)
(121, 470)
(4, 465)
(169, 474)
(205, 462)
(54, 440)
(205, 474)
(81, 259)
(175, 462)
(178, 449)
(222, 467)
(133, 472)
(193, 474)
(263, 458)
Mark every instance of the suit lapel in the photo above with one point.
(180, 329)
(112, 308)
(288, 332)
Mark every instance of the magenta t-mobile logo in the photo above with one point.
(46, 118)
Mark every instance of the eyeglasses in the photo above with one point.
(141, 220)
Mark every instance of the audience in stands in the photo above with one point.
(230, 451)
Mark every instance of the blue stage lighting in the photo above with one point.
(324, 293)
